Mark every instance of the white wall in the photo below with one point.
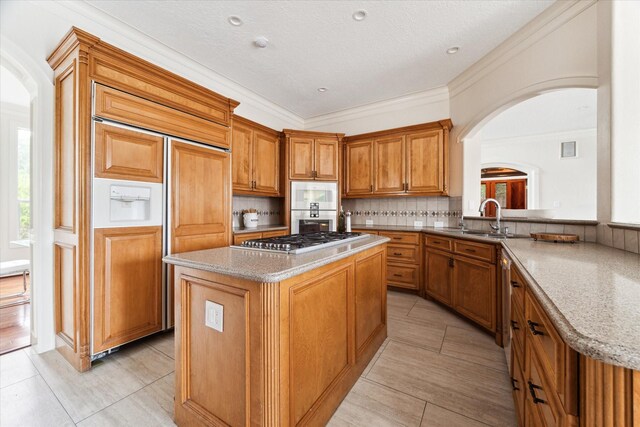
(569, 182)
(423, 107)
(12, 117)
(557, 49)
(625, 120)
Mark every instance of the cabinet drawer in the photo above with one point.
(403, 253)
(276, 233)
(439, 242)
(558, 361)
(475, 250)
(403, 276)
(517, 288)
(540, 394)
(519, 385)
(518, 329)
(407, 238)
(239, 238)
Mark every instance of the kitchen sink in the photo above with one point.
(481, 233)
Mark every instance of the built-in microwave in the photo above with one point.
(307, 221)
(319, 195)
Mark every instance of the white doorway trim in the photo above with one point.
(40, 88)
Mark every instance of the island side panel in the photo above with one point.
(219, 375)
(321, 313)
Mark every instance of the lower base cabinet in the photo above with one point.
(438, 276)
(474, 287)
(127, 285)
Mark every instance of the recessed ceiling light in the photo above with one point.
(453, 50)
(359, 15)
(261, 42)
(322, 89)
(235, 20)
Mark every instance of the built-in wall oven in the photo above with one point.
(314, 206)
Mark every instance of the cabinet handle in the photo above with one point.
(532, 328)
(470, 250)
(515, 284)
(532, 391)
(514, 383)
(450, 262)
(397, 275)
(397, 238)
(371, 188)
(397, 254)
(514, 325)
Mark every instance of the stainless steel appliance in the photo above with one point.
(301, 243)
(314, 206)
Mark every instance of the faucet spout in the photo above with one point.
(497, 227)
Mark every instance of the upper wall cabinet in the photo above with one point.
(255, 159)
(312, 155)
(398, 162)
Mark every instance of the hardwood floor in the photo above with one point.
(434, 370)
(14, 320)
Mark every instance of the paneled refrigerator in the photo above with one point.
(152, 194)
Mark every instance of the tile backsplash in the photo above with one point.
(270, 209)
(627, 239)
(405, 210)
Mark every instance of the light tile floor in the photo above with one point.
(434, 370)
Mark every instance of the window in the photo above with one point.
(24, 183)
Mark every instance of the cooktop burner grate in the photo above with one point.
(300, 243)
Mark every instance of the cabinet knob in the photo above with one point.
(514, 325)
(515, 284)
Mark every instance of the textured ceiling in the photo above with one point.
(397, 50)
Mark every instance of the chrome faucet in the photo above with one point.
(496, 227)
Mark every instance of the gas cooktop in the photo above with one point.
(300, 243)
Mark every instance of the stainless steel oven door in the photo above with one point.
(304, 222)
(304, 193)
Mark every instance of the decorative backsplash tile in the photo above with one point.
(620, 238)
(269, 209)
(404, 211)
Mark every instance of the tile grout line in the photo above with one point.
(394, 389)
(458, 413)
(119, 400)
(444, 337)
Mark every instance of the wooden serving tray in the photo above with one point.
(555, 237)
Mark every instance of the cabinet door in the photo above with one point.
(359, 168)
(127, 285)
(326, 159)
(425, 162)
(474, 284)
(200, 198)
(438, 276)
(239, 238)
(242, 157)
(127, 154)
(266, 163)
(388, 165)
(301, 158)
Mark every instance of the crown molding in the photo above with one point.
(122, 35)
(544, 24)
(414, 100)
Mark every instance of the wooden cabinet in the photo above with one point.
(255, 158)
(128, 154)
(359, 180)
(312, 155)
(241, 237)
(406, 161)
(462, 274)
(122, 312)
(132, 91)
(201, 202)
(404, 256)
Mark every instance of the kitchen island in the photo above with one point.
(272, 339)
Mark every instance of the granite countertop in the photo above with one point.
(591, 292)
(259, 229)
(268, 267)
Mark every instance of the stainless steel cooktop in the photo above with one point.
(300, 243)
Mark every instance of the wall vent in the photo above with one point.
(568, 149)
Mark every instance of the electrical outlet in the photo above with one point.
(214, 316)
(368, 222)
(438, 224)
(417, 224)
(556, 203)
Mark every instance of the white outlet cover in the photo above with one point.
(417, 224)
(438, 224)
(368, 222)
(214, 316)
